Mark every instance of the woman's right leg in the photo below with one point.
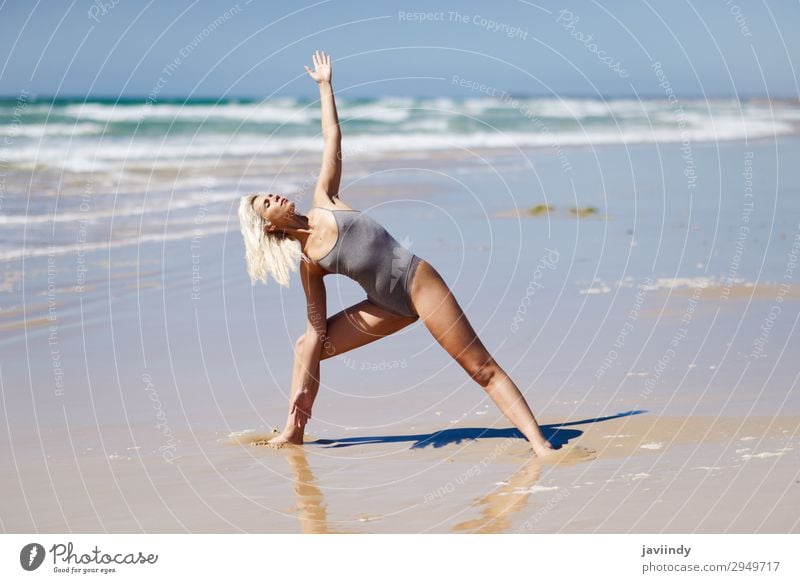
(350, 328)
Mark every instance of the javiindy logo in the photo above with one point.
(31, 556)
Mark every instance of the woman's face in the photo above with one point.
(275, 208)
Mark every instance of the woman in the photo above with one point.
(401, 288)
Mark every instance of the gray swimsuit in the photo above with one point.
(366, 252)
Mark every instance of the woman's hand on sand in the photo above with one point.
(322, 72)
(301, 409)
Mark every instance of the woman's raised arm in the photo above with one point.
(330, 174)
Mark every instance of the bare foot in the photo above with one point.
(569, 455)
(544, 450)
(279, 441)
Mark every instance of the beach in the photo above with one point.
(649, 314)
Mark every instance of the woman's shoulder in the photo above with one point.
(339, 206)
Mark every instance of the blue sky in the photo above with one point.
(258, 49)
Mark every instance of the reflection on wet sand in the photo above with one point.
(311, 510)
(309, 501)
(499, 505)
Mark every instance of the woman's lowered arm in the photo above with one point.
(313, 344)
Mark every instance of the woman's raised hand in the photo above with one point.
(322, 72)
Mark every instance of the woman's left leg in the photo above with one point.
(441, 314)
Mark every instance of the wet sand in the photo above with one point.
(130, 401)
(648, 474)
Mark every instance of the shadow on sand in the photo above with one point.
(555, 433)
(496, 510)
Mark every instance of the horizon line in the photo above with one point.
(219, 98)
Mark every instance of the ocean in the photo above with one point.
(121, 168)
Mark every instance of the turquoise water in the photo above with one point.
(104, 173)
(105, 134)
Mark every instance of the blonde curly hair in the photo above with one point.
(276, 254)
